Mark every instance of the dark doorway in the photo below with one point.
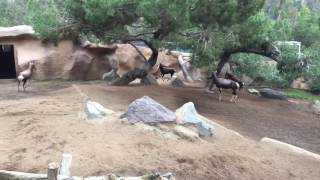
(7, 63)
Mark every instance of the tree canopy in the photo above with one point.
(213, 30)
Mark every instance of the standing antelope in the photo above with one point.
(234, 78)
(166, 70)
(25, 75)
(226, 84)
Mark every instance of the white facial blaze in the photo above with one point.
(238, 86)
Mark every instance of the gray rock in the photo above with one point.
(189, 115)
(148, 110)
(95, 110)
(204, 129)
(272, 94)
(315, 105)
(254, 92)
(110, 76)
(177, 83)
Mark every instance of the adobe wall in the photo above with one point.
(65, 61)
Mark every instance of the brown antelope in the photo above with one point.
(25, 75)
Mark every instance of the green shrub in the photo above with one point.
(300, 94)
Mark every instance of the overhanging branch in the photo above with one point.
(138, 50)
(265, 51)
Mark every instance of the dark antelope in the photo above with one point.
(166, 70)
(226, 84)
(234, 78)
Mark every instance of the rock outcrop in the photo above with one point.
(272, 94)
(148, 111)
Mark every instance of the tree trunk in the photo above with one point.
(130, 76)
(184, 69)
(138, 73)
(224, 58)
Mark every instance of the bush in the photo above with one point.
(315, 86)
(256, 67)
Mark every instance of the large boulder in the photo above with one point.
(84, 65)
(272, 94)
(300, 83)
(128, 58)
(148, 111)
(187, 114)
(78, 65)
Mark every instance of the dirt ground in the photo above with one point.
(39, 125)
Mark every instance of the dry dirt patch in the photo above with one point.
(37, 129)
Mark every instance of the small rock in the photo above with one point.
(315, 105)
(96, 110)
(204, 129)
(254, 92)
(110, 76)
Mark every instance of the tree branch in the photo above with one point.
(139, 52)
(264, 51)
(154, 56)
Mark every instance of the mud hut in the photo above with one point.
(66, 60)
(73, 61)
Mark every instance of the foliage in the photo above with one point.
(12, 12)
(45, 18)
(299, 94)
(307, 28)
(312, 73)
(289, 23)
(258, 68)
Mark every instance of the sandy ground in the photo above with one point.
(38, 126)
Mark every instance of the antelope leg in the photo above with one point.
(232, 98)
(18, 86)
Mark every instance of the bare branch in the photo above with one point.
(137, 49)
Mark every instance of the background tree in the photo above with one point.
(213, 30)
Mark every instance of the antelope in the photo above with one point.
(226, 84)
(25, 75)
(234, 78)
(166, 70)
